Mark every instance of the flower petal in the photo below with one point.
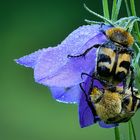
(86, 117)
(66, 95)
(84, 108)
(55, 73)
(70, 74)
(30, 60)
(50, 62)
(104, 125)
(53, 59)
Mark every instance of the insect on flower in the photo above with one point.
(114, 107)
(114, 57)
(62, 75)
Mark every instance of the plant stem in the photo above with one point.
(105, 9)
(130, 130)
(117, 133)
(127, 8)
(133, 10)
(102, 17)
(133, 129)
(113, 10)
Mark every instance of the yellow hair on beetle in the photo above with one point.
(120, 36)
(115, 107)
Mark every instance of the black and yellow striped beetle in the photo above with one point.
(114, 107)
(114, 57)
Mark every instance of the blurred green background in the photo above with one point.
(27, 110)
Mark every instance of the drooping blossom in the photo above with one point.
(62, 74)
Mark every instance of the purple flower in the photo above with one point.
(54, 69)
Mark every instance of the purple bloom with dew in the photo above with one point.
(62, 74)
(54, 69)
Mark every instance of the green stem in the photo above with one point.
(127, 8)
(133, 10)
(119, 2)
(102, 17)
(117, 133)
(113, 10)
(133, 129)
(130, 130)
(105, 9)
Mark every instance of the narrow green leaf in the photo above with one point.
(105, 9)
(113, 10)
(118, 8)
(101, 17)
(92, 22)
(129, 26)
(127, 8)
(133, 10)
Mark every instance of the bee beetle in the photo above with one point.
(114, 57)
(113, 107)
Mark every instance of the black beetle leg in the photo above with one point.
(84, 53)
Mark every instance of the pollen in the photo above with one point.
(95, 94)
(120, 36)
(94, 91)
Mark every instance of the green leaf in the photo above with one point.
(133, 10)
(115, 9)
(105, 9)
(127, 8)
(97, 15)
